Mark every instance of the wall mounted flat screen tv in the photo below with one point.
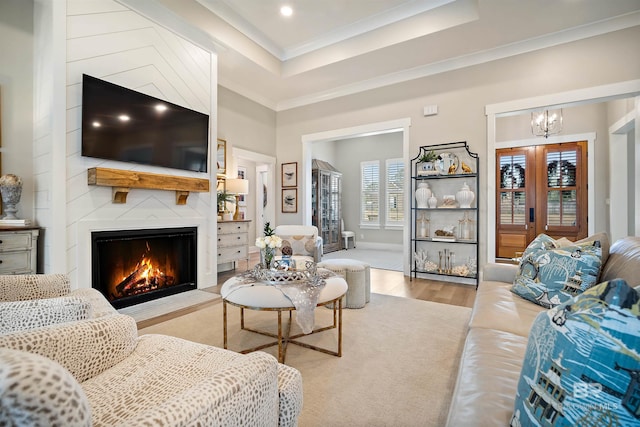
(129, 126)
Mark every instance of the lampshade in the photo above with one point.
(238, 186)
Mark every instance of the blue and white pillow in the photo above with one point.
(582, 365)
(550, 275)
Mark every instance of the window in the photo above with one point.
(370, 194)
(395, 192)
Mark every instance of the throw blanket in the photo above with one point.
(303, 295)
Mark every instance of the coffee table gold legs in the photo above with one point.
(285, 337)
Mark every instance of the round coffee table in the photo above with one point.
(265, 297)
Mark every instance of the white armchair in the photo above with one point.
(62, 365)
(303, 239)
(26, 287)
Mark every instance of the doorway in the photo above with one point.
(540, 189)
(261, 200)
(402, 125)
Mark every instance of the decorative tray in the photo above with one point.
(278, 274)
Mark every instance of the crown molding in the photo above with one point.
(562, 37)
(371, 23)
(363, 26)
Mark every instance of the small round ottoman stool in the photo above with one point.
(358, 277)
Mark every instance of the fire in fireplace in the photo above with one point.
(134, 266)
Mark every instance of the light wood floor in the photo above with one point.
(391, 283)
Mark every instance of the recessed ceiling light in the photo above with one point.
(124, 118)
(286, 10)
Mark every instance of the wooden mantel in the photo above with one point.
(122, 180)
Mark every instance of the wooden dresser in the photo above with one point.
(233, 241)
(19, 250)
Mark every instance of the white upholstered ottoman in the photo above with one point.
(358, 277)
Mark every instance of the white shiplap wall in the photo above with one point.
(107, 40)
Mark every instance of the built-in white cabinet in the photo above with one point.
(18, 250)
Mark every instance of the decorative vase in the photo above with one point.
(426, 168)
(465, 196)
(11, 190)
(422, 195)
(465, 227)
(266, 256)
(433, 201)
(423, 226)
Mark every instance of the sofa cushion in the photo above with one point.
(32, 314)
(582, 363)
(304, 245)
(602, 238)
(36, 391)
(496, 307)
(623, 262)
(549, 275)
(487, 378)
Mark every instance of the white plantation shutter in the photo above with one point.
(395, 192)
(370, 193)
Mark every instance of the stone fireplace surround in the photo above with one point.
(86, 227)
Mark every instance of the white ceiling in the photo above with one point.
(330, 48)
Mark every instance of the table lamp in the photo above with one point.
(238, 187)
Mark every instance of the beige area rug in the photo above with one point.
(399, 363)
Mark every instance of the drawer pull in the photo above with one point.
(0, 261)
(239, 238)
(0, 242)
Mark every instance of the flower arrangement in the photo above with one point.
(268, 244)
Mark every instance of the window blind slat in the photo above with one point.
(394, 192)
(370, 192)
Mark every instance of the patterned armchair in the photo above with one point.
(303, 240)
(99, 372)
(27, 287)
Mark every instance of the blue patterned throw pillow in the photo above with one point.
(582, 365)
(550, 275)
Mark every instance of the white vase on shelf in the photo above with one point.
(465, 196)
(433, 201)
(422, 195)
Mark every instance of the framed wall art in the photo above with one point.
(289, 200)
(221, 156)
(290, 174)
(242, 174)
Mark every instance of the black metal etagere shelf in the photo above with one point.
(454, 163)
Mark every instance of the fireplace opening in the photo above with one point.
(134, 266)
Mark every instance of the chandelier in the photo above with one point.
(547, 122)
